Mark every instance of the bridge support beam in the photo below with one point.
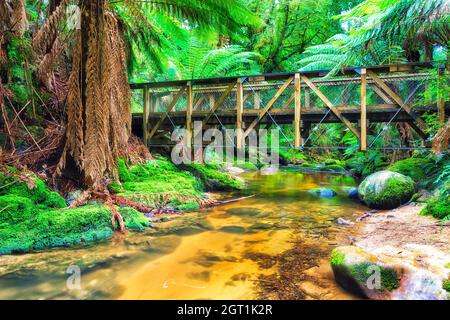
(363, 125)
(297, 115)
(189, 109)
(239, 112)
(145, 115)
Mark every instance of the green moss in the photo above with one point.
(55, 228)
(246, 165)
(438, 207)
(15, 209)
(189, 205)
(32, 218)
(447, 265)
(415, 168)
(133, 219)
(360, 272)
(446, 285)
(122, 170)
(334, 168)
(337, 258)
(394, 193)
(329, 162)
(213, 179)
(115, 187)
(36, 190)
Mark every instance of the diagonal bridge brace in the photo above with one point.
(419, 125)
(169, 109)
(218, 103)
(269, 105)
(330, 105)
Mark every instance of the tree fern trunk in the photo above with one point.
(98, 103)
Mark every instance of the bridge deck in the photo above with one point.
(355, 97)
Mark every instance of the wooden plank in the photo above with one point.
(331, 106)
(169, 109)
(363, 143)
(268, 106)
(239, 112)
(297, 115)
(421, 125)
(218, 103)
(145, 113)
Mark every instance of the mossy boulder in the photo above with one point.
(354, 270)
(389, 272)
(386, 190)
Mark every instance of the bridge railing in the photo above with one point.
(252, 98)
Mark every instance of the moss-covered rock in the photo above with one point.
(213, 179)
(133, 219)
(55, 228)
(354, 270)
(415, 168)
(333, 168)
(389, 272)
(386, 190)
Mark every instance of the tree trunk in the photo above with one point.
(98, 102)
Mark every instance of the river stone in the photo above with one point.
(386, 190)
(351, 192)
(323, 192)
(269, 170)
(410, 272)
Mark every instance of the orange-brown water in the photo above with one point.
(208, 254)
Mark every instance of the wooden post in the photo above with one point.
(145, 114)
(363, 110)
(189, 108)
(211, 101)
(256, 99)
(297, 116)
(239, 111)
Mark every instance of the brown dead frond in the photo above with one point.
(442, 139)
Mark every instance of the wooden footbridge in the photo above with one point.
(356, 97)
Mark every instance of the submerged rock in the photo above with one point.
(323, 192)
(269, 170)
(411, 272)
(386, 190)
(344, 222)
(352, 192)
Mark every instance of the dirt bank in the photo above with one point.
(399, 227)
